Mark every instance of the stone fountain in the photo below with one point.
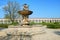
(25, 14)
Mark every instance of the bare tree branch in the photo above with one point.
(11, 9)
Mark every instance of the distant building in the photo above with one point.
(8, 21)
(36, 20)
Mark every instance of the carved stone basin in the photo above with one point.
(25, 12)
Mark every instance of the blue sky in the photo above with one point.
(40, 8)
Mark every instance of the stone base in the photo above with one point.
(26, 32)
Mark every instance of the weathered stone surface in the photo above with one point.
(27, 33)
(2, 33)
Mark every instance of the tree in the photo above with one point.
(11, 10)
(7, 16)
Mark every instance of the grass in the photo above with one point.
(6, 25)
(54, 25)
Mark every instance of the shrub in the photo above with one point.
(50, 26)
(44, 23)
(4, 25)
(32, 23)
(53, 25)
(14, 23)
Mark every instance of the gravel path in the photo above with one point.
(51, 34)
